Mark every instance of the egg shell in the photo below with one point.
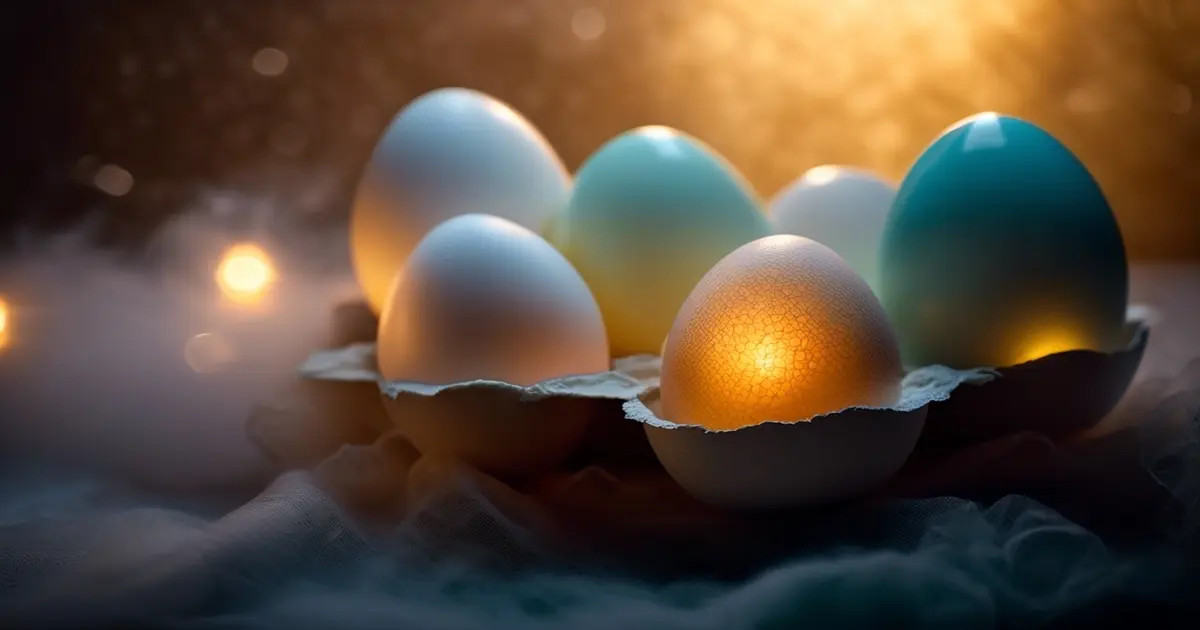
(652, 210)
(841, 207)
(501, 428)
(780, 329)
(484, 298)
(999, 246)
(809, 462)
(1060, 395)
(449, 152)
(505, 429)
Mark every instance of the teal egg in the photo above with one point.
(1001, 248)
(651, 212)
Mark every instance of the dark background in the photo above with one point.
(131, 111)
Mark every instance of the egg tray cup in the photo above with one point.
(612, 506)
(812, 461)
(499, 428)
(1061, 395)
(612, 502)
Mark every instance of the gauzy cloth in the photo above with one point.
(1017, 531)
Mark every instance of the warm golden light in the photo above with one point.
(783, 330)
(245, 273)
(4, 324)
(1049, 342)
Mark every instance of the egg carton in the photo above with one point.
(612, 502)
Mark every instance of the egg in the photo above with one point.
(781, 329)
(781, 383)
(653, 210)
(451, 151)
(482, 299)
(1000, 249)
(841, 207)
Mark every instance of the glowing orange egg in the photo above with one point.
(781, 329)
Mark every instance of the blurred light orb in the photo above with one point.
(245, 273)
(269, 62)
(113, 180)
(588, 24)
(4, 324)
(208, 352)
(781, 330)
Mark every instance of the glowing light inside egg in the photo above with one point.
(782, 329)
(245, 274)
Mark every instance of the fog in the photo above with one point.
(140, 365)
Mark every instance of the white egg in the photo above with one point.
(843, 208)
(482, 308)
(484, 298)
(452, 151)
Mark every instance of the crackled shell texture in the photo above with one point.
(781, 329)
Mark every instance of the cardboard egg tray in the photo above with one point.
(613, 503)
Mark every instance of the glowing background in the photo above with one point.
(150, 99)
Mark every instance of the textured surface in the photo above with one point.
(652, 211)
(1015, 533)
(1001, 248)
(781, 329)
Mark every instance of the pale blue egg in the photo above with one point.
(652, 211)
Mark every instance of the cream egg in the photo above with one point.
(841, 207)
(653, 210)
(482, 299)
(781, 383)
(449, 152)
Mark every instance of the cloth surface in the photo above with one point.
(1019, 531)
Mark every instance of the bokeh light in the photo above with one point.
(245, 274)
(208, 352)
(4, 324)
(290, 97)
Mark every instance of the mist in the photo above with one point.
(137, 365)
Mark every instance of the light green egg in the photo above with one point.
(651, 212)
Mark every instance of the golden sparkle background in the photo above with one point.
(143, 105)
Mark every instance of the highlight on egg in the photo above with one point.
(451, 151)
(781, 383)
(651, 211)
(842, 207)
(781, 329)
(482, 299)
(1001, 249)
